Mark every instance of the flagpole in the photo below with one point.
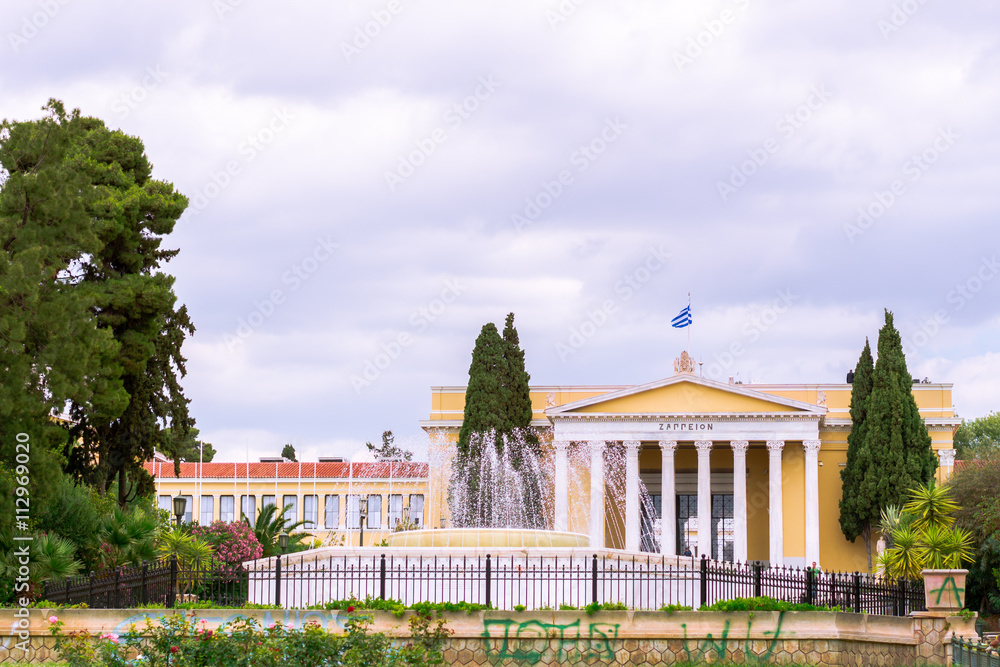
(689, 326)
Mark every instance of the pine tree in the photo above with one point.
(288, 452)
(894, 449)
(51, 350)
(852, 505)
(135, 302)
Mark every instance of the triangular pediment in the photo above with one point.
(686, 395)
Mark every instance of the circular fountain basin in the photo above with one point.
(487, 537)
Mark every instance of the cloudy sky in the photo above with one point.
(373, 180)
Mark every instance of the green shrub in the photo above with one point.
(763, 603)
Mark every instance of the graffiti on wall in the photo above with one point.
(721, 648)
(512, 639)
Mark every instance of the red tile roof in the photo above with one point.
(305, 470)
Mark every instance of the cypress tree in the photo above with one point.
(852, 506)
(498, 413)
(485, 409)
(516, 383)
(894, 448)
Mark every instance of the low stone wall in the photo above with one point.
(572, 637)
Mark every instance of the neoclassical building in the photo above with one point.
(737, 471)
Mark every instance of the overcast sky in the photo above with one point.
(383, 177)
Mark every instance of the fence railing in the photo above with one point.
(503, 582)
(969, 653)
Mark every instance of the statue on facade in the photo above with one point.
(684, 363)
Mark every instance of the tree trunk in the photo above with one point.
(866, 533)
(122, 493)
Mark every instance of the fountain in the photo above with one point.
(500, 548)
(498, 498)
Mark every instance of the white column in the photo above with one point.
(776, 553)
(632, 519)
(562, 486)
(739, 448)
(668, 500)
(597, 495)
(811, 450)
(946, 463)
(704, 497)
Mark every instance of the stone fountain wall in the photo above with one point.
(573, 637)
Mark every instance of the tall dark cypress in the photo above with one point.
(853, 507)
(516, 383)
(484, 396)
(894, 451)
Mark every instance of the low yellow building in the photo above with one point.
(739, 471)
(327, 495)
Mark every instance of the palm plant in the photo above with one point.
(128, 537)
(54, 558)
(192, 552)
(270, 524)
(931, 505)
(924, 537)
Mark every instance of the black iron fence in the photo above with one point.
(503, 582)
(164, 582)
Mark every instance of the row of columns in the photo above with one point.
(668, 524)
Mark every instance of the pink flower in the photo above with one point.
(53, 619)
(270, 627)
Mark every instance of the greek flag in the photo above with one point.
(683, 318)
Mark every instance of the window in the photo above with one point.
(266, 501)
(188, 509)
(395, 510)
(248, 506)
(374, 512)
(207, 509)
(310, 511)
(353, 512)
(163, 502)
(226, 507)
(332, 516)
(292, 513)
(417, 508)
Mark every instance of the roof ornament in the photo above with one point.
(684, 363)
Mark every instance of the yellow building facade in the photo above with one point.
(328, 496)
(738, 471)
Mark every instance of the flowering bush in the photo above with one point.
(180, 641)
(235, 543)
